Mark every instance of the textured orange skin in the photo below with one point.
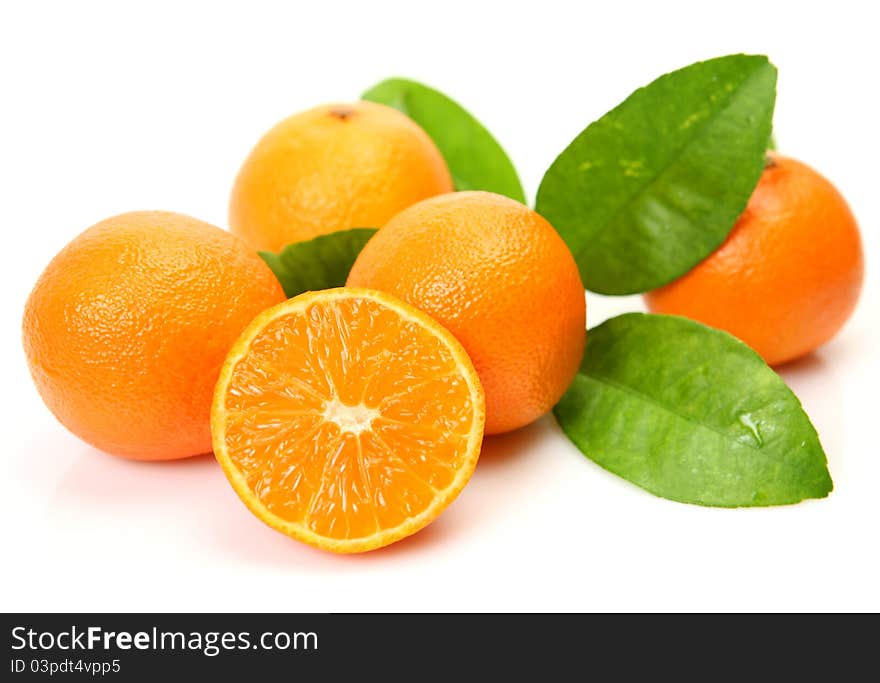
(127, 328)
(789, 274)
(499, 277)
(335, 167)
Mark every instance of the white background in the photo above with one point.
(113, 107)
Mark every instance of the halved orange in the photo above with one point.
(347, 419)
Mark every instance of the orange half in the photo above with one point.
(347, 419)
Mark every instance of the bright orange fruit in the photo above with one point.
(126, 330)
(789, 274)
(499, 277)
(347, 419)
(335, 167)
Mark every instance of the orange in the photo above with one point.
(347, 419)
(499, 277)
(334, 167)
(126, 330)
(789, 274)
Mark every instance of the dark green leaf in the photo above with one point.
(319, 263)
(691, 414)
(654, 186)
(475, 159)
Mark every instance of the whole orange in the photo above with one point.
(499, 277)
(127, 328)
(789, 274)
(331, 168)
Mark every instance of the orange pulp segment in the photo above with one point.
(347, 419)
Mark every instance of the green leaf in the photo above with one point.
(475, 159)
(319, 263)
(654, 186)
(691, 414)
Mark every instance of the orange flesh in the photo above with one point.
(347, 419)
